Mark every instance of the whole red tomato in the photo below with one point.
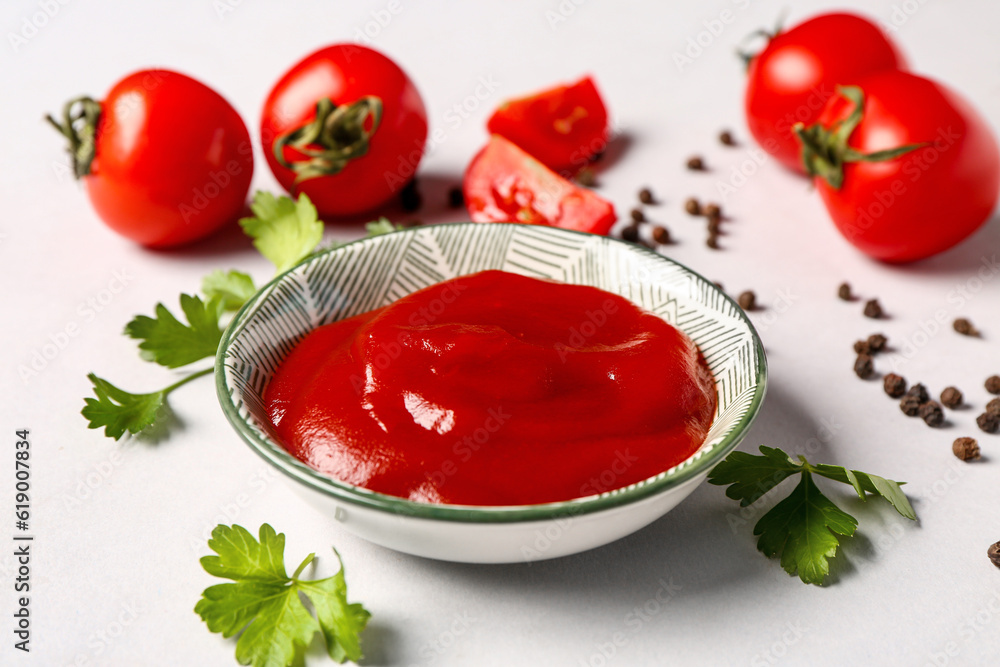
(164, 158)
(562, 127)
(796, 73)
(347, 127)
(923, 201)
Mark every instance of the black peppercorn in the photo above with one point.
(993, 384)
(646, 196)
(931, 413)
(873, 309)
(844, 292)
(951, 397)
(966, 449)
(692, 206)
(864, 367)
(695, 163)
(988, 422)
(894, 385)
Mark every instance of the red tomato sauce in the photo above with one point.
(494, 389)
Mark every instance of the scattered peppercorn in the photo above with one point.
(714, 225)
(844, 292)
(966, 449)
(877, 342)
(873, 309)
(919, 392)
(988, 422)
(747, 300)
(409, 197)
(993, 406)
(894, 385)
(864, 367)
(931, 413)
(661, 235)
(695, 163)
(951, 397)
(692, 206)
(994, 553)
(646, 196)
(637, 215)
(713, 241)
(719, 286)
(910, 405)
(993, 384)
(964, 327)
(586, 178)
(726, 138)
(631, 233)
(862, 347)
(712, 211)
(455, 198)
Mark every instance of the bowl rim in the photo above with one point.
(273, 453)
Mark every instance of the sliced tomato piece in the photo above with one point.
(563, 127)
(505, 184)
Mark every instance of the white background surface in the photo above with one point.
(120, 526)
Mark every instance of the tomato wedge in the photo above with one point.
(563, 127)
(505, 184)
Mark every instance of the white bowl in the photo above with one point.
(370, 273)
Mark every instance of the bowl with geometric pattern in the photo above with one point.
(374, 272)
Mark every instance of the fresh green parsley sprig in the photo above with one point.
(264, 605)
(286, 232)
(805, 528)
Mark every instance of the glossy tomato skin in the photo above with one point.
(798, 71)
(562, 127)
(345, 73)
(505, 184)
(924, 201)
(173, 160)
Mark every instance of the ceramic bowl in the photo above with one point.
(373, 272)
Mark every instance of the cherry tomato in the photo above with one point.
(347, 127)
(171, 161)
(505, 184)
(929, 198)
(562, 127)
(797, 72)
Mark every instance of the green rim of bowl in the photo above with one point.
(292, 467)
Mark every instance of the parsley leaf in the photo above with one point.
(119, 411)
(264, 603)
(284, 231)
(172, 344)
(381, 226)
(233, 287)
(803, 528)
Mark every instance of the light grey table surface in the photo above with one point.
(119, 527)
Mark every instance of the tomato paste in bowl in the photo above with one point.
(512, 445)
(494, 389)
